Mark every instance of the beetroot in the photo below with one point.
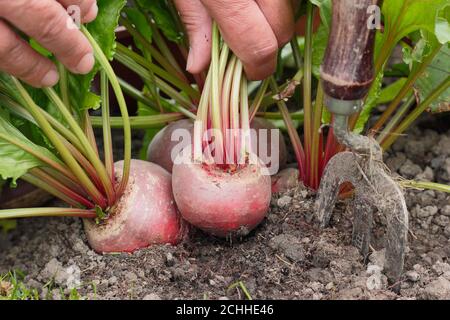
(219, 202)
(160, 149)
(145, 214)
(219, 183)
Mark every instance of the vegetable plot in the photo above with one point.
(46, 138)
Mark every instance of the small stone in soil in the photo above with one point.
(413, 276)
(442, 268)
(445, 210)
(409, 169)
(426, 212)
(284, 201)
(447, 231)
(438, 289)
(443, 147)
(289, 246)
(320, 260)
(427, 198)
(426, 175)
(55, 270)
(131, 277)
(394, 163)
(170, 261)
(152, 296)
(442, 221)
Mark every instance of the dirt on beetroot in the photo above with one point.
(286, 257)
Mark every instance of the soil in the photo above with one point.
(286, 257)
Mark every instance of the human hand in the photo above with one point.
(254, 30)
(47, 22)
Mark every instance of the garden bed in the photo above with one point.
(287, 257)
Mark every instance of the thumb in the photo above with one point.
(198, 25)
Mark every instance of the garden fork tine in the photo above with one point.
(347, 75)
(374, 189)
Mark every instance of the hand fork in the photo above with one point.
(347, 74)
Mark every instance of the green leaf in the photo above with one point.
(160, 12)
(320, 38)
(92, 101)
(15, 162)
(420, 50)
(442, 29)
(325, 11)
(320, 42)
(139, 20)
(436, 72)
(388, 93)
(103, 27)
(30, 130)
(102, 30)
(369, 103)
(397, 70)
(402, 17)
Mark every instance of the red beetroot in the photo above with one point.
(221, 203)
(160, 149)
(146, 213)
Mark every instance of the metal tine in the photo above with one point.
(374, 188)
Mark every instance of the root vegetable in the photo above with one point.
(219, 202)
(220, 185)
(160, 149)
(146, 213)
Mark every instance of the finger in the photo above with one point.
(246, 30)
(49, 24)
(88, 8)
(198, 26)
(280, 15)
(20, 60)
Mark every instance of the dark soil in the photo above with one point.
(287, 257)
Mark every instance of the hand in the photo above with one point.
(47, 22)
(254, 30)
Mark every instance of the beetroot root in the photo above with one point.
(221, 203)
(160, 149)
(146, 213)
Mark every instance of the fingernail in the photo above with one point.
(190, 60)
(50, 79)
(92, 13)
(86, 64)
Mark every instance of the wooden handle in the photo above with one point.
(347, 71)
